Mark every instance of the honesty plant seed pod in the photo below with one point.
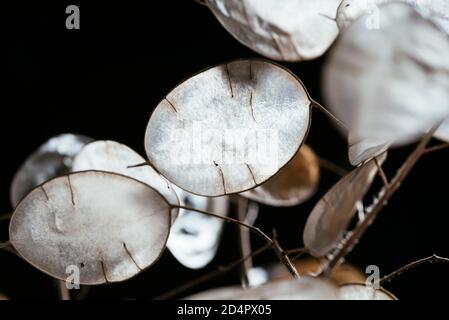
(53, 158)
(109, 226)
(115, 157)
(360, 291)
(331, 216)
(230, 128)
(390, 84)
(287, 30)
(293, 184)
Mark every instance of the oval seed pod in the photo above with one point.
(195, 237)
(53, 158)
(351, 10)
(287, 30)
(293, 184)
(229, 128)
(115, 157)
(306, 288)
(360, 291)
(390, 84)
(107, 226)
(332, 214)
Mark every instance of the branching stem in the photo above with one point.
(411, 265)
(220, 271)
(394, 185)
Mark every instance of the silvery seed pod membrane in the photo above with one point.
(287, 30)
(360, 291)
(351, 10)
(118, 158)
(332, 214)
(391, 83)
(107, 226)
(53, 158)
(306, 288)
(229, 128)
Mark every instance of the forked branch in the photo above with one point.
(411, 265)
(282, 256)
(329, 114)
(385, 196)
(220, 271)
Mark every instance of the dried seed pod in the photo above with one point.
(360, 291)
(111, 156)
(332, 214)
(53, 158)
(109, 226)
(195, 237)
(288, 30)
(390, 84)
(306, 288)
(293, 184)
(229, 128)
(361, 150)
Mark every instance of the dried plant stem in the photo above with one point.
(329, 114)
(220, 271)
(436, 148)
(298, 252)
(385, 196)
(248, 213)
(277, 248)
(411, 265)
(201, 2)
(64, 293)
(332, 167)
(5, 245)
(283, 257)
(382, 174)
(5, 217)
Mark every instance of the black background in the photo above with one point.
(104, 80)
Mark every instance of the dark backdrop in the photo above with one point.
(104, 80)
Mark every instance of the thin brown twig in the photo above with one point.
(220, 271)
(4, 217)
(436, 148)
(64, 293)
(201, 2)
(277, 248)
(244, 240)
(332, 167)
(228, 219)
(385, 196)
(329, 115)
(296, 250)
(5, 245)
(283, 257)
(382, 174)
(411, 265)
